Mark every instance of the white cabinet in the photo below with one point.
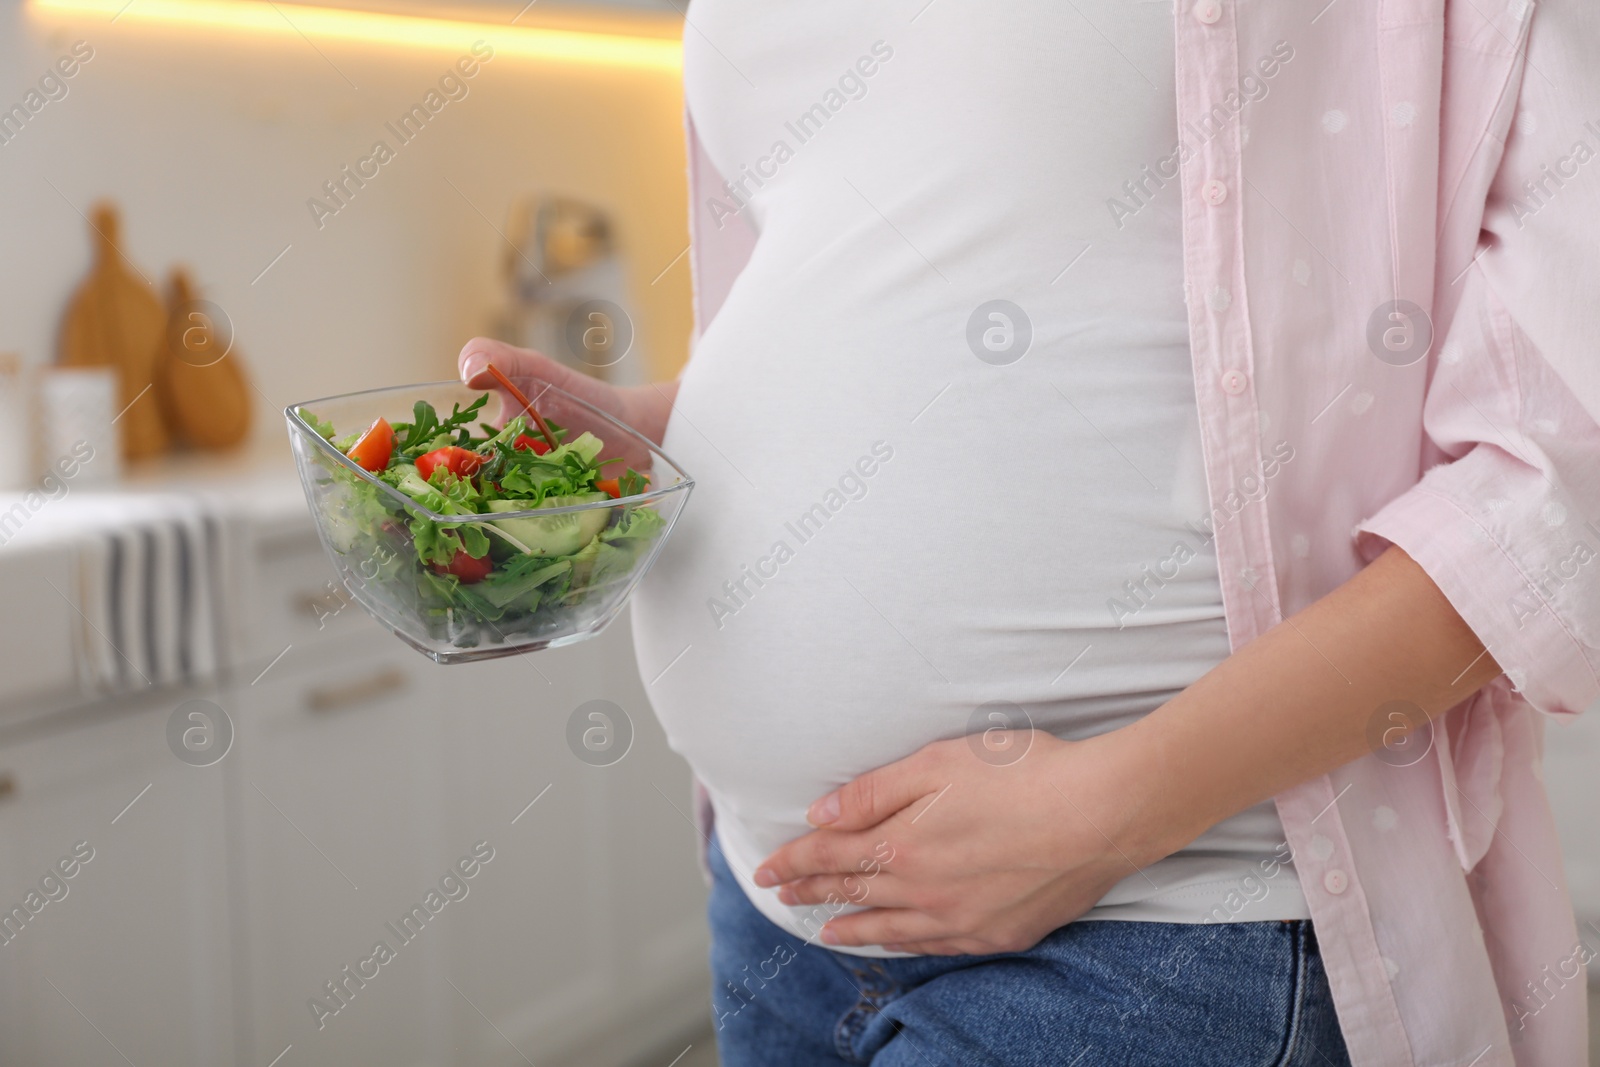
(133, 960)
(337, 811)
(230, 899)
(584, 941)
(528, 943)
(659, 977)
(295, 607)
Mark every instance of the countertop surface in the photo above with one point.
(257, 482)
(54, 574)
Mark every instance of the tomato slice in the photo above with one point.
(458, 461)
(524, 443)
(609, 485)
(373, 448)
(469, 569)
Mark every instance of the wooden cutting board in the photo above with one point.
(200, 378)
(116, 320)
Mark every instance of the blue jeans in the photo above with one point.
(1091, 994)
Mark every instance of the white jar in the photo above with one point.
(77, 431)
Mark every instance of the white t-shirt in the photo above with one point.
(914, 503)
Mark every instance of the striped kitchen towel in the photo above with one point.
(150, 592)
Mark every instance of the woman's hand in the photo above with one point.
(960, 849)
(645, 407)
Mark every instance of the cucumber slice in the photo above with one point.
(558, 535)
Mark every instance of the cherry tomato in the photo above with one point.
(523, 443)
(468, 568)
(458, 461)
(609, 485)
(373, 448)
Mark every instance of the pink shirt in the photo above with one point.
(1344, 165)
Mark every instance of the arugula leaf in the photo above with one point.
(424, 421)
(459, 416)
(425, 427)
(632, 483)
(502, 590)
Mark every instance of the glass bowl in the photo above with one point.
(567, 594)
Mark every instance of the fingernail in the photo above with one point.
(788, 896)
(829, 936)
(473, 366)
(824, 811)
(766, 877)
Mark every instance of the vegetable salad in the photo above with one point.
(504, 572)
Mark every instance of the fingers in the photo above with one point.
(825, 852)
(884, 926)
(513, 362)
(478, 353)
(876, 795)
(880, 891)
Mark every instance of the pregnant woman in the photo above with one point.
(1076, 662)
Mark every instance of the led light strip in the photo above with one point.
(261, 18)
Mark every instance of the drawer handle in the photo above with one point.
(347, 694)
(321, 606)
(311, 603)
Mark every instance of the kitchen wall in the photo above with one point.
(213, 141)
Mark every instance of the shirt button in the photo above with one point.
(1235, 382)
(1213, 192)
(1208, 11)
(1336, 881)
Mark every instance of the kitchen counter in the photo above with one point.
(258, 480)
(53, 566)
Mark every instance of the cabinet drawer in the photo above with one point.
(365, 681)
(42, 631)
(297, 601)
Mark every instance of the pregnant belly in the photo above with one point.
(781, 675)
(854, 579)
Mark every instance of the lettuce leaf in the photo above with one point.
(322, 426)
(636, 524)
